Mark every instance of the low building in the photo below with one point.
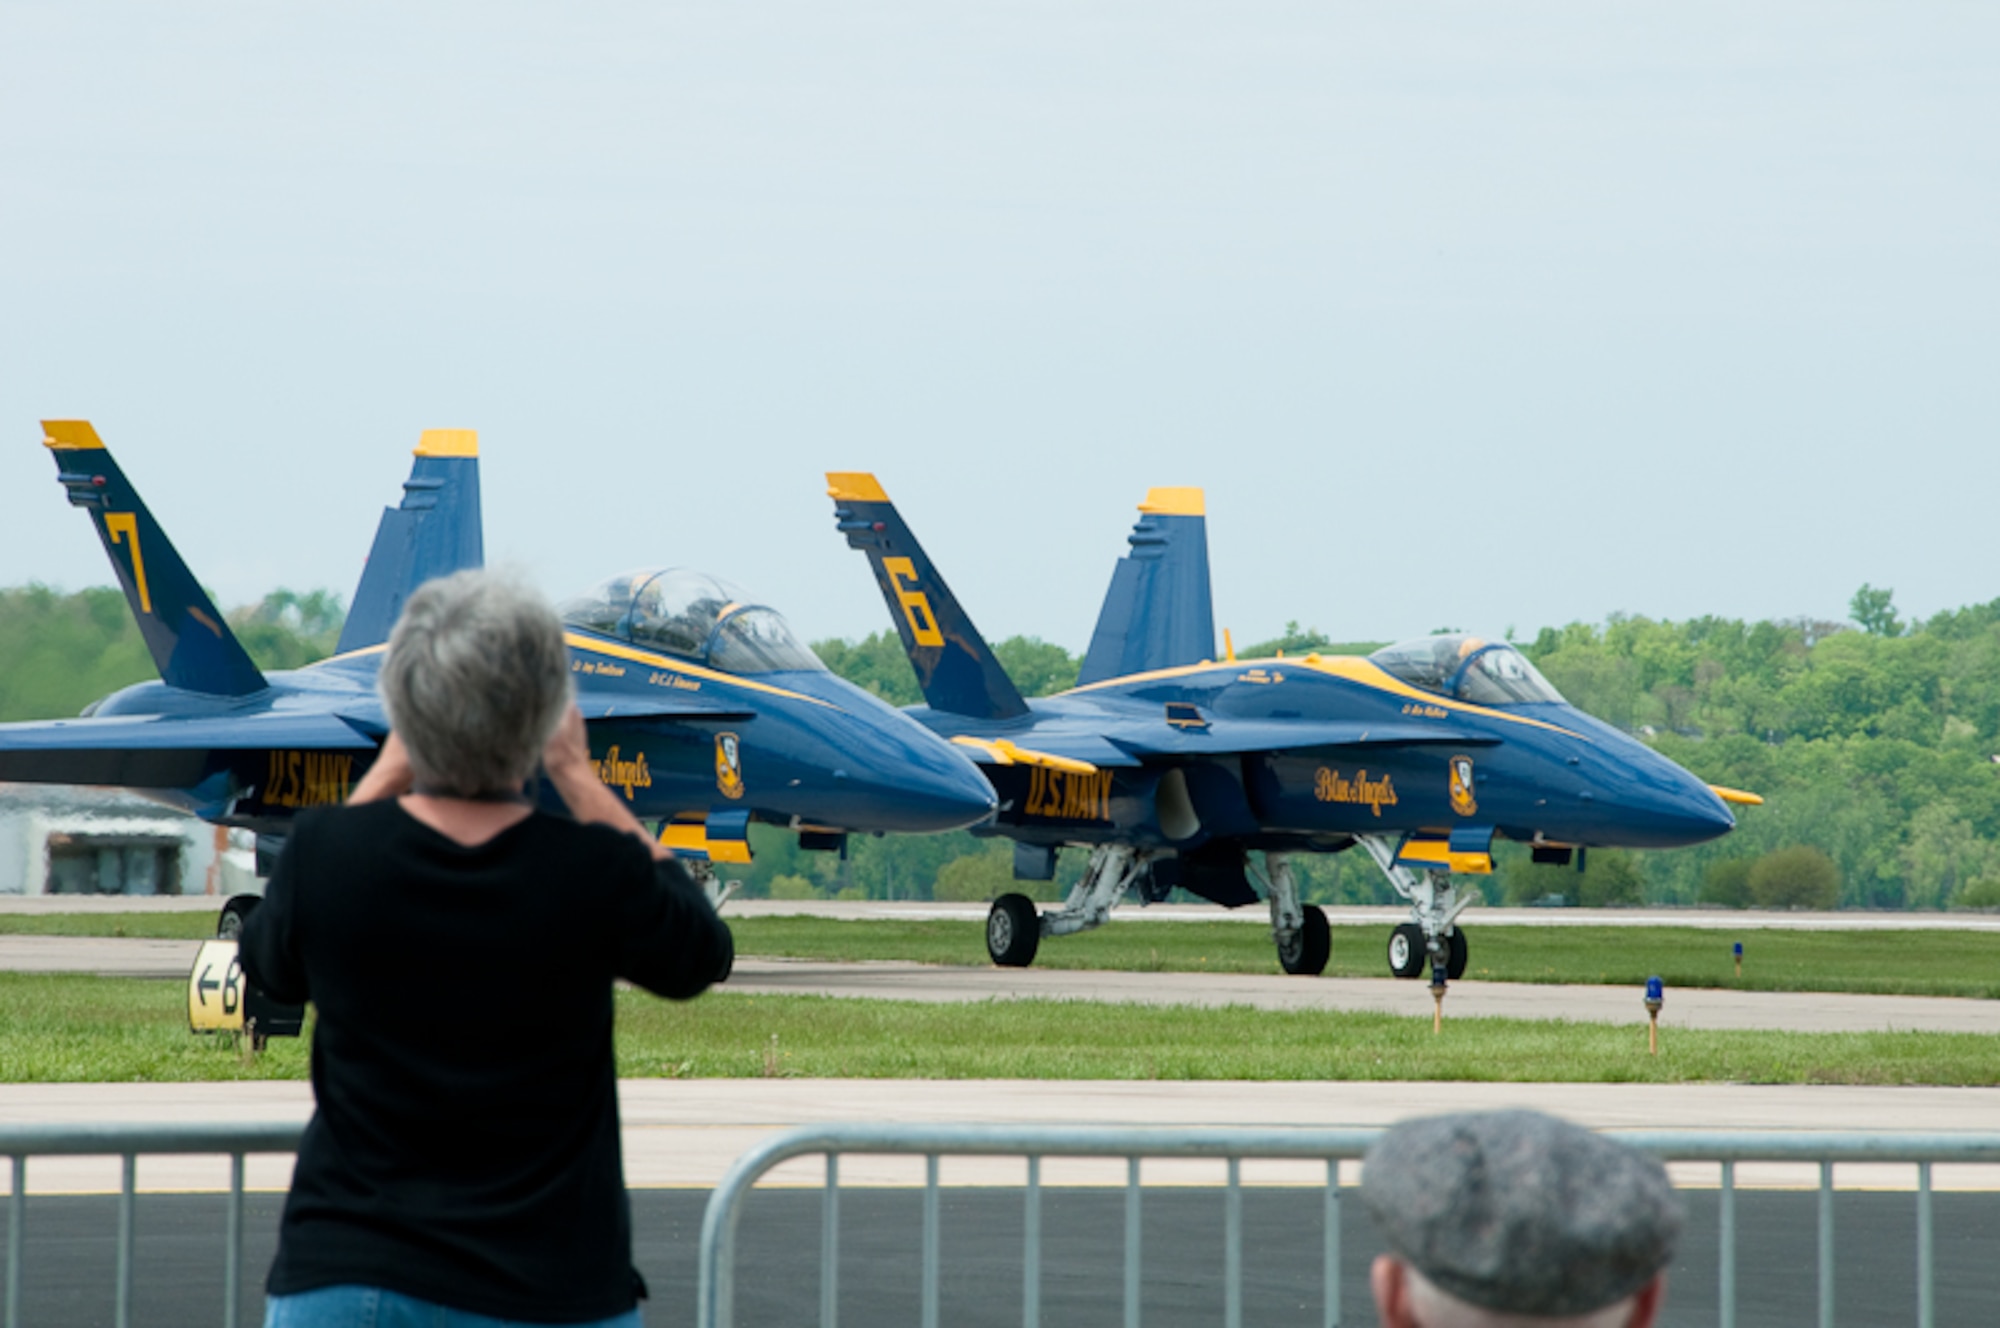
(58, 840)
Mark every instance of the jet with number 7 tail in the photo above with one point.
(704, 711)
(1170, 766)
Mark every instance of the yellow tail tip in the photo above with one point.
(449, 443)
(1737, 796)
(1174, 502)
(69, 435)
(854, 486)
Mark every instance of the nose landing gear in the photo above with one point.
(1432, 935)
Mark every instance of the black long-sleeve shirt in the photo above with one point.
(465, 1149)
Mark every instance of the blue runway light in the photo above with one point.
(1656, 990)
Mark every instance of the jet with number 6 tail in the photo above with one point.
(704, 711)
(1170, 766)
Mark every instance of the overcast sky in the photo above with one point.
(1477, 314)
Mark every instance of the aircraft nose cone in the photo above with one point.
(1671, 808)
(924, 792)
(1694, 815)
(950, 799)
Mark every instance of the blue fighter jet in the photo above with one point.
(1170, 766)
(703, 709)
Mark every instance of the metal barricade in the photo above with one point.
(130, 1142)
(715, 1307)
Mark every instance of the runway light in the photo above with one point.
(1656, 996)
(1739, 959)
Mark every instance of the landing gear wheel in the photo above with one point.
(229, 926)
(1307, 949)
(1407, 954)
(1455, 955)
(1013, 931)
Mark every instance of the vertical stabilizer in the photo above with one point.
(436, 531)
(1158, 613)
(191, 645)
(956, 670)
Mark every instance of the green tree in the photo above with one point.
(977, 877)
(1612, 879)
(1875, 610)
(875, 662)
(1797, 877)
(287, 630)
(1726, 881)
(1982, 894)
(1037, 667)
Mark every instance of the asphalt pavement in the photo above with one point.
(177, 1277)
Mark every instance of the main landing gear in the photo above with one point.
(1014, 930)
(1303, 939)
(1432, 935)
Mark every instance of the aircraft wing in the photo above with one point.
(1228, 737)
(156, 751)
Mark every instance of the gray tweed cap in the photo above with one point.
(1521, 1212)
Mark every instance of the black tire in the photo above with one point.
(1311, 946)
(1013, 931)
(1456, 953)
(1408, 958)
(238, 908)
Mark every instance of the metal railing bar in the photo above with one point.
(1826, 1245)
(105, 1140)
(829, 1246)
(1332, 1219)
(128, 1187)
(1726, 1261)
(232, 1259)
(17, 1223)
(1926, 1298)
(1232, 1245)
(1031, 1247)
(1330, 1146)
(931, 1241)
(1132, 1242)
(1314, 1144)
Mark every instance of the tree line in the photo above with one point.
(1875, 742)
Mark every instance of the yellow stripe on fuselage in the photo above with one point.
(619, 650)
(1349, 668)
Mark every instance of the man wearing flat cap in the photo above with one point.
(1515, 1219)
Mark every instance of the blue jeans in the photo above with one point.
(373, 1307)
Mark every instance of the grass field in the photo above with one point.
(1939, 963)
(76, 1029)
(1904, 963)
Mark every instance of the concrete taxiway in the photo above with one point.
(687, 1132)
(1806, 1012)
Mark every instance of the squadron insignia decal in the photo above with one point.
(728, 765)
(1462, 800)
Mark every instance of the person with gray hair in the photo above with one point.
(1516, 1219)
(462, 1166)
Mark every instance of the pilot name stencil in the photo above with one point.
(1375, 794)
(308, 779)
(622, 774)
(1061, 795)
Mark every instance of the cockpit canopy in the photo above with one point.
(1467, 668)
(692, 614)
